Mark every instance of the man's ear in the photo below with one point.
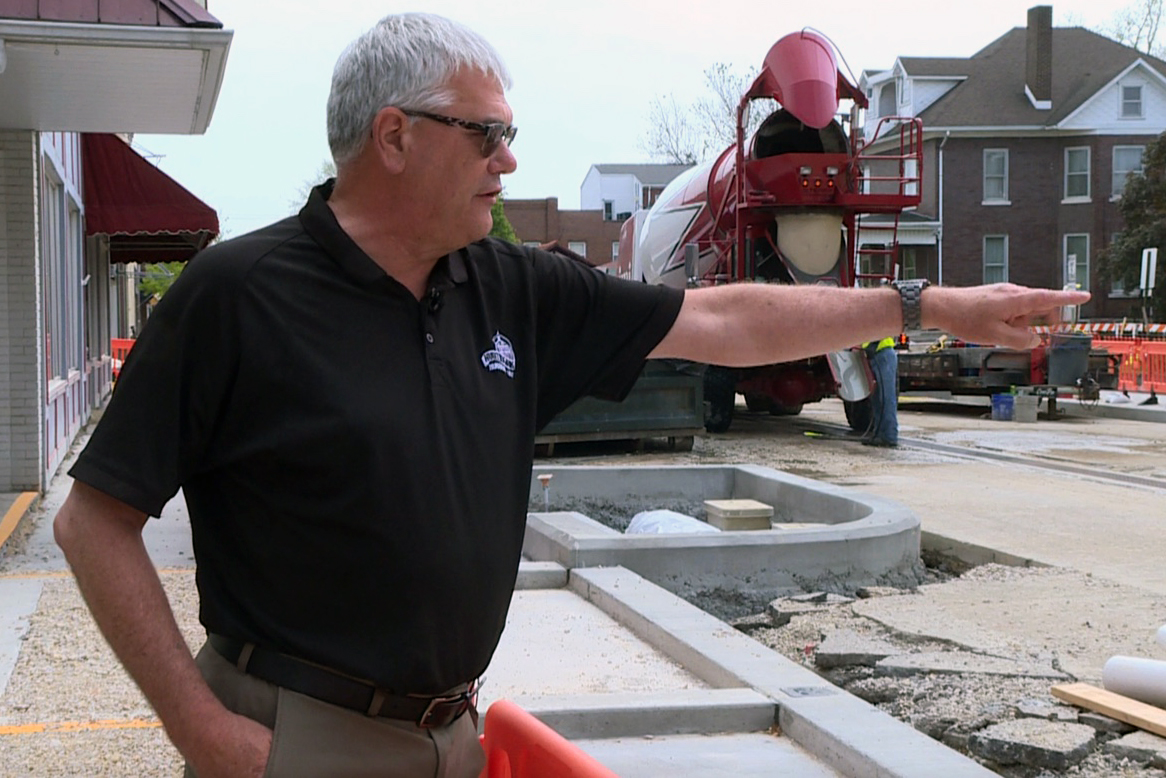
(390, 137)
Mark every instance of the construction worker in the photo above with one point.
(884, 363)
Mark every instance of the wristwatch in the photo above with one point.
(911, 295)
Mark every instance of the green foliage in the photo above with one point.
(154, 280)
(502, 228)
(1143, 208)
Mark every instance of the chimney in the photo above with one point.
(1038, 72)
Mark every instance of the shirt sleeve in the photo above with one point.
(595, 331)
(167, 399)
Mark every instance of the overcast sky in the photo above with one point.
(584, 74)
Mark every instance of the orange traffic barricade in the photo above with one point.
(118, 349)
(518, 745)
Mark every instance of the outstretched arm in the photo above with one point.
(757, 324)
(102, 539)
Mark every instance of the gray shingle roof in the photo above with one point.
(993, 93)
(652, 175)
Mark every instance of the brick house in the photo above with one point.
(1027, 145)
(76, 202)
(609, 195)
(586, 233)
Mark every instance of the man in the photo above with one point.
(348, 400)
(884, 363)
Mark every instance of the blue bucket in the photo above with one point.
(1002, 407)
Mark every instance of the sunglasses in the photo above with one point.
(495, 133)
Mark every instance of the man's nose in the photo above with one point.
(503, 161)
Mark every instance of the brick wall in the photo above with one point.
(1036, 220)
(21, 390)
(542, 221)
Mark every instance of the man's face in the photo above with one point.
(454, 186)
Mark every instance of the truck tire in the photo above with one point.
(777, 409)
(859, 414)
(720, 395)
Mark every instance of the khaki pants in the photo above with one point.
(314, 739)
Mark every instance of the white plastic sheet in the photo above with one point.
(665, 522)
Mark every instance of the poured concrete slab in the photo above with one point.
(645, 681)
(843, 538)
(725, 756)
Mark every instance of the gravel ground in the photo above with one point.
(63, 636)
(948, 708)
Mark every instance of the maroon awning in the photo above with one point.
(148, 216)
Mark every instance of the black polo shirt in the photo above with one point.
(356, 462)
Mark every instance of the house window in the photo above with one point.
(608, 210)
(995, 175)
(614, 250)
(1126, 160)
(1077, 260)
(908, 262)
(995, 259)
(1131, 102)
(578, 246)
(1077, 173)
(911, 176)
(531, 243)
(1117, 286)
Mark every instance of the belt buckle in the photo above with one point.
(433, 714)
(458, 704)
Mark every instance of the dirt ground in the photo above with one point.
(1094, 586)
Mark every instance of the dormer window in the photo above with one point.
(1131, 102)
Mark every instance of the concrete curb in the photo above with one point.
(850, 735)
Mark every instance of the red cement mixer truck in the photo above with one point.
(786, 205)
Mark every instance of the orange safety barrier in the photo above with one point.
(518, 745)
(118, 349)
(1142, 366)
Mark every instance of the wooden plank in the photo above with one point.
(1118, 706)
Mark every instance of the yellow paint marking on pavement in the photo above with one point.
(14, 514)
(79, 726)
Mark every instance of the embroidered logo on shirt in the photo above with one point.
(501, 357)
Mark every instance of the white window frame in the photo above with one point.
(614, 250)
(1082, 277)
(1002, 265)
(578, 246)
(608, 210)
(1131, 108)
(1087, 173)
(1119, 184)
(1002, 199)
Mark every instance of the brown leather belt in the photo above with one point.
(336, 689)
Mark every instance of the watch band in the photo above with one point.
(911, 295)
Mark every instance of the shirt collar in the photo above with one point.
(320, 223)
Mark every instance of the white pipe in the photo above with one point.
(1162, 636)
(1136, 678)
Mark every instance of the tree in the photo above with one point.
(687, 134)
(1143, 208)
(155, 279)
(502, 228)
(1137, 26)
(326, 170)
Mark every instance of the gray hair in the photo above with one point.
(406, 60)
